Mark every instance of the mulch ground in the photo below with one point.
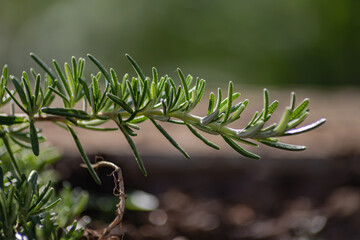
(283, 199)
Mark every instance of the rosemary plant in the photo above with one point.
(30, 208)
(128, 101)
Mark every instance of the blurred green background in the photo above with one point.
(299, 42)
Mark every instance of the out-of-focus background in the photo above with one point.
(310, 47)
(254, 42)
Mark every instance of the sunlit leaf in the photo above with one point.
(281, 127)
(306, 128)
(300, 109)
(284, 146)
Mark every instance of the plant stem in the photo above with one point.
(186, 117)
(190, 118)
(118, 191)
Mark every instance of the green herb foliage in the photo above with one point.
(132, 100)
(27, 210)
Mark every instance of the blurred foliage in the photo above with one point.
(28, 162)
(253, 42)
(30, 208)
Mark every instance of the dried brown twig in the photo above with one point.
(117, 191)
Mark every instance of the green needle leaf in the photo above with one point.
(11, 155)
(92, 100)
(43, 65)
(62, 78)
(120, 102)
(284, 146)
(229, 102)
(292, 100)
(133, 147)
(97, 128)
(104, 100)
(207, 142)
(20, 91)
(273, 106)
(96, 89)
(70, 79)
(83, 155)
(145, 93)
(266, 105)
(169, 138)
(297, 121)
(136, 67)
(16, 101)
(101, 67)
(300, 109)
(34, 139)
(184, 84)
(5, 71)
(239, 149)
(218, 104)
(66, 112)
(74, 64)
(115, 81)
(281, 127)
(237, 113)
(42, 197)
(306, 128)
(211, 103)
(11, 120)
(250, 131)
(44, 200)
(64, 98)
(86, 89)
(47, 208)
(37, 87)
(206, 120)
(132, 94)
(81, 67)
(164, 107)
(155, 75)
(28, 92)
(139, 119)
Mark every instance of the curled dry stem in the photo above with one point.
(117, 191)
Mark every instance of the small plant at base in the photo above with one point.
(133, 100)
(27, 210)
(30, 207)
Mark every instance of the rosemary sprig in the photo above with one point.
(134, 100)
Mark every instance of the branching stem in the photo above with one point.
(118, 191)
